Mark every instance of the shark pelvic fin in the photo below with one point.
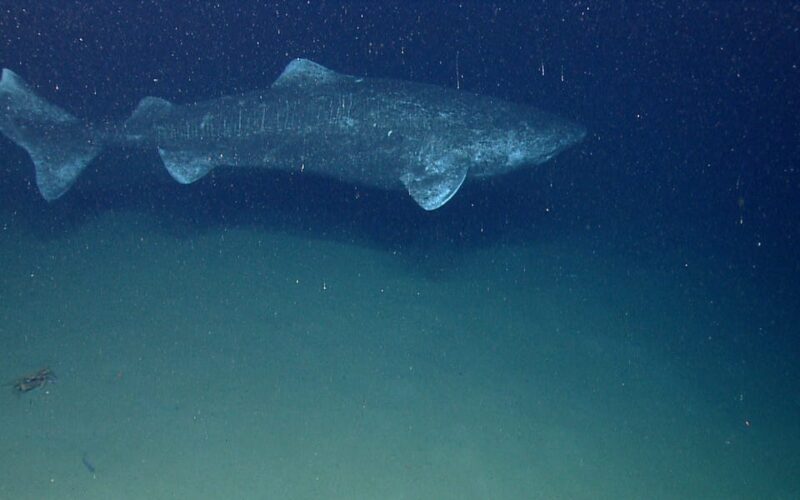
(186, 166)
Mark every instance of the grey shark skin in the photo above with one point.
(377, 132)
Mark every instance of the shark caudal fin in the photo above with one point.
(57, 142)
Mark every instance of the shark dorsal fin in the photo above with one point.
(302, 72)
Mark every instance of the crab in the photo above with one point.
(34, 380)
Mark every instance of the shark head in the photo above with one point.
(542, 142)
(525, 141)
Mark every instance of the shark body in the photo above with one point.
(383, 133)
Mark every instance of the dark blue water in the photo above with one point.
(689, 174)
(690, 107)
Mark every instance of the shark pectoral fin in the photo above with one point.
(186, 166)
(437, 183)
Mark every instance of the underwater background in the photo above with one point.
(620, 322)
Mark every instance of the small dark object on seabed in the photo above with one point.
(88, 464)
(34, 380)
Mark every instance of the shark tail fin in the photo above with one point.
(57, 142)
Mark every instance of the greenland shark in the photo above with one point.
(384, 133)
